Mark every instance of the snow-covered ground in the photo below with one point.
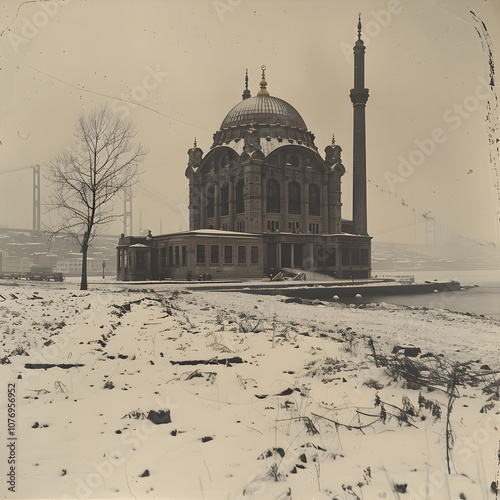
(266, 399)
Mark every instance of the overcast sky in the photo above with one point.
(181, 66)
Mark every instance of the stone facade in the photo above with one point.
(263, 198)
(189, 255)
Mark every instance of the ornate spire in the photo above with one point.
(333, 139)
(195, 145)
(263, 83)
(359, 45)
(246, 92)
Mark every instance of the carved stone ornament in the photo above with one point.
(252, 141)
(333, 155)
(195, 156)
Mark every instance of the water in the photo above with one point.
(484, 299)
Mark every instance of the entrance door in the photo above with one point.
(154, 263)
(298, 255)
(286, 255)
(271, 256)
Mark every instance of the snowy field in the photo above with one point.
(131, 392)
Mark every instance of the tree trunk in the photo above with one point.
(85, 246)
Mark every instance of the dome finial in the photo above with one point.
(333, 139)
(359, 25)
(263, 83)
(195, 145)
(246, 92)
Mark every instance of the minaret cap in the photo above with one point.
(246, 92)
(263, 83)
(359, 41)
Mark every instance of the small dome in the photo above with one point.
(263, 110)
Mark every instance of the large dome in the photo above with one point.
(263, 110)
(274, 118)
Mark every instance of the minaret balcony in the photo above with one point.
(359, 96)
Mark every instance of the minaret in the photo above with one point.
(359, 96)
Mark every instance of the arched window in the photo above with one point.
(240, 201)
(273, 196)
(314, 200)
(210, 201)
(293, 160)
(294, 204)
(224, 199)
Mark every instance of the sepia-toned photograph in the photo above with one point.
(250, 249)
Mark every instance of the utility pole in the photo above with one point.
(36, 197)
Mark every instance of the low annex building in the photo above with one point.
(263, 198)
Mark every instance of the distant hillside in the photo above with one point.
(401, 257)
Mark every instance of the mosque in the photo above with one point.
(263, 199)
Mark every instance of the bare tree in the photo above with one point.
(88, 178)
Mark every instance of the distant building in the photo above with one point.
(73, 266)
(263, 198)
(14, 264)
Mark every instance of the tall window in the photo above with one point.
(346, 256)
(331, 257)
(176, 262)
(254, 255)
(184, 255)
(294, 204)
(240, 201)
(140, 260)
(355, 256)
(224, 199)
(314, 200)
(200, 254)
(228, 254)
(365, 257)
(210, 201)
(242, 254)
(273, 196)
(214, 254)
(163, 257)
